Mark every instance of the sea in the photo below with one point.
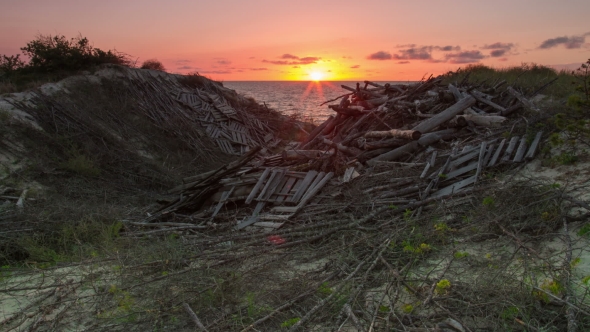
(302, 98)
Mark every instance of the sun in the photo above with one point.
(316, 75)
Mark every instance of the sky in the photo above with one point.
(381, 40)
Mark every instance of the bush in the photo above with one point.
(153, 64)
(52, 53)
(52, 58)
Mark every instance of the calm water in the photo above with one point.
(291, 97)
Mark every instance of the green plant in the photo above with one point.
(566, 158)
(584, 230)
(418, 250)
(549, 286)
(489, 201)
(408, 214)
(459, 254)
(510, 313)
(442, 227)
(82, 165)
(290, 322)
(408, 308)
(442, 287)
(325, 289)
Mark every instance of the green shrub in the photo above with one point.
(82, 165)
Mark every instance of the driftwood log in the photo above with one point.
(407, 134)
(306, 154)
(444, 116)
(414, 146)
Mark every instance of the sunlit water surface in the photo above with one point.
(299, 97)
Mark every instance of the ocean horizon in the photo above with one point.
(297, 97)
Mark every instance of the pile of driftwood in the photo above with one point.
(394, 122)
(448, 134)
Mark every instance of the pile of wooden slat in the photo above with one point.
(449, 135)
(233, 129)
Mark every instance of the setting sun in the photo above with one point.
(316, 76)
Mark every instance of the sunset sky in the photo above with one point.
(330, 40)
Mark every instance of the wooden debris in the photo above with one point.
(398, 127)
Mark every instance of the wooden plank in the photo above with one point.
(510, 149)
(253, 218)
(486, 159)
(271, 185)
(348, 175)
(433, 158)
(267, 224)
(303, 186)
(461, 171)
(315, 181)
(425, 171)
(534, 146)
(267, 185)
(465, 158)
(284, 209)
(314, 190)
(480, 161)
(454, 188)
(497, 153)
(224, 196)
(520, 151)
(257, 186)
(279, 187)
(282, 195)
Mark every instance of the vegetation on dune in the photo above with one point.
(529, 77)
(153, 64)
(51, 58)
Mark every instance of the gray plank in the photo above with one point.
(486, 159)
(303, 186)
(480, 161)
(315, 181)
(510, 149)
(520, 151)
(461, 171)
(253, 218)
(454, 188)
(465, 158)
(257, 186)
(282, 195)
(534, 146)
(224, 196)
(278, 188)
(497, 153)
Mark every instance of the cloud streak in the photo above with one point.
(381, 55)
(571, 42)
(290, 60)
(464, 57)
(413, 52)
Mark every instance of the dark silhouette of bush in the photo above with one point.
(51, 58)
(9, 64)
(57, 53)
(153, 64)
